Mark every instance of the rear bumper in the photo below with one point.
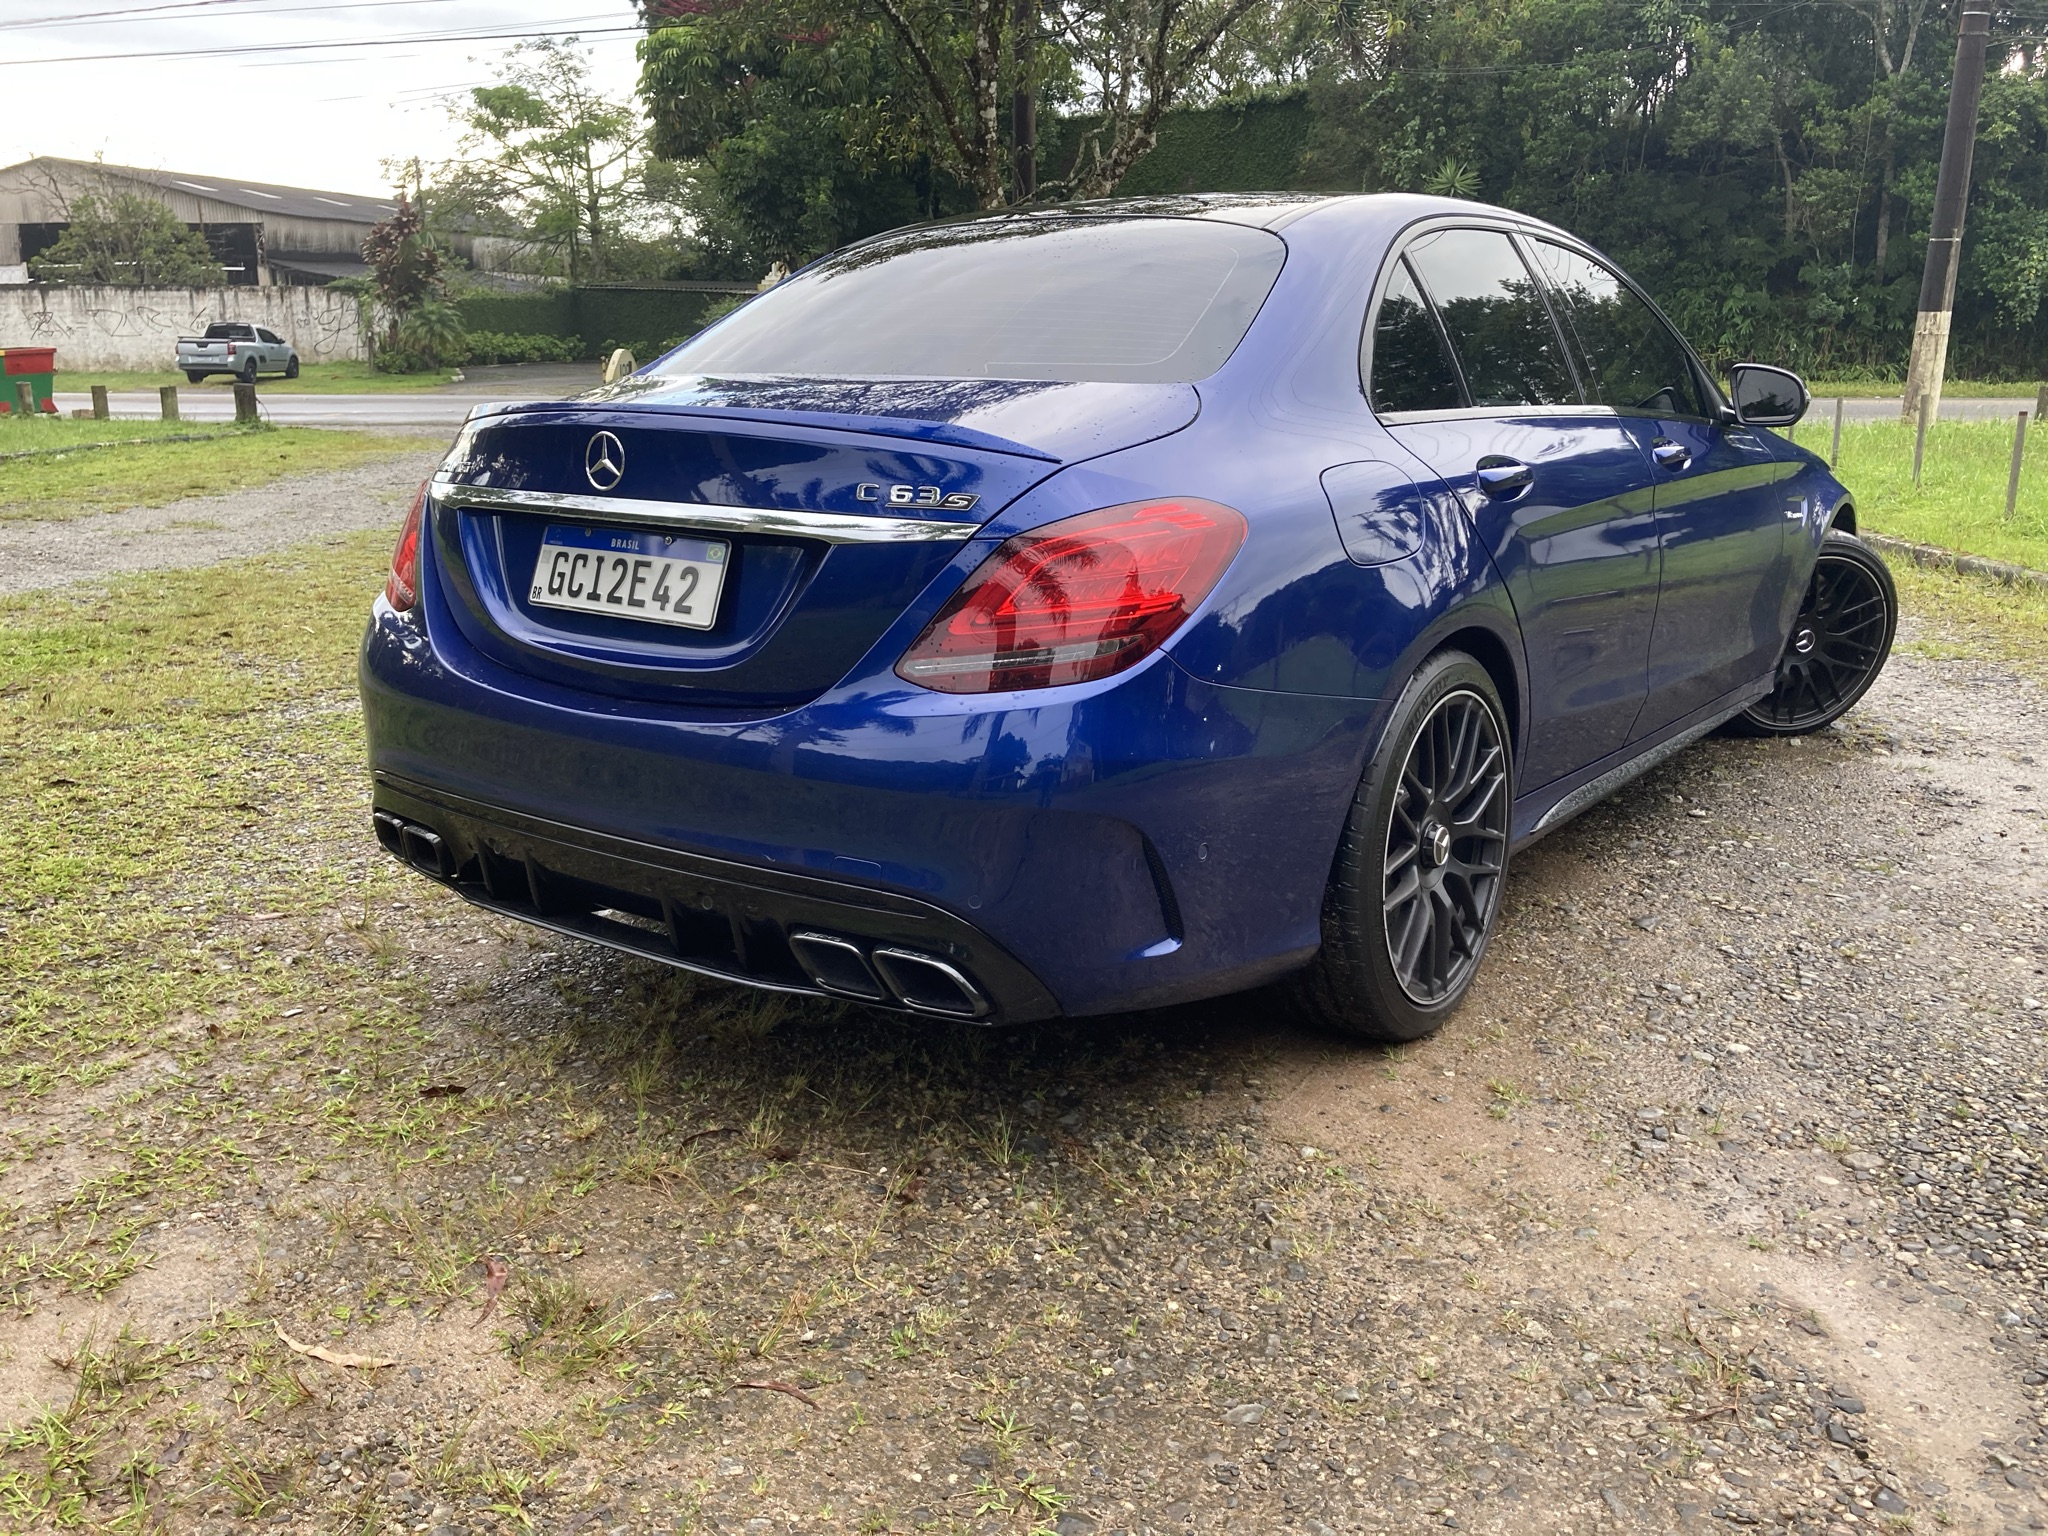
(1152, 841)
(762, 927)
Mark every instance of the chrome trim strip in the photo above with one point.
(828, 527)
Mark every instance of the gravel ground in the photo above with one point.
(1721, 1204)
(206, 529)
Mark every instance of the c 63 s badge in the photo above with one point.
(916, 496)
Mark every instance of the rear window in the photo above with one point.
(229, 333)
(1128, 300)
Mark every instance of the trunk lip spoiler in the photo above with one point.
(826, 527)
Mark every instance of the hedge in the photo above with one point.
(1249, 146)
(594, 318)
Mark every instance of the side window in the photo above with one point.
(266, 336)
(1498, 323)
(1412, 368)
(1632, 360)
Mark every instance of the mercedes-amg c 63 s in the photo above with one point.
(1104, 607)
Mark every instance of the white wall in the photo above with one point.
(140, 327)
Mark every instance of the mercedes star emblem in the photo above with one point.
(604, 461)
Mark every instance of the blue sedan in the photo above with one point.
(1105, 607)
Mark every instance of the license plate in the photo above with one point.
(662, 578)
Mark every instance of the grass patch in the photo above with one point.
(1892, 389)
(313, 379)
(1966, 616)
(1960, 501)
(55, 486)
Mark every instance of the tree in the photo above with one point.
(797, 142)
(407, 278)
(126, 239)
(941, 73)
(551, 158)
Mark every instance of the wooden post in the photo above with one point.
(245, 405)
(100, 411)
(24, 399)
(1835, 453)
(2012, 483)
(169, 396)
(1919, 434)
(2041, 402)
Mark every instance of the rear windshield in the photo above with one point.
(1124, 301)
(229, 333)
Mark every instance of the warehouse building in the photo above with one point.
(262, 235)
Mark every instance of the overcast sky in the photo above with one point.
(374, 84)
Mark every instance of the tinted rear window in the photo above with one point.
(229, 333)
(1129, 300)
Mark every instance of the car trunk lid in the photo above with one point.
(825, 507)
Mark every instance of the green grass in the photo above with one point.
(313, 379)
(1960, 501)
(66, 484)
(1892, 389)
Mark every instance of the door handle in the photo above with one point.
(1500, 476)
(1670, 455)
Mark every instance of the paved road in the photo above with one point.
(367, 412)
(442, 406)
(447, 406)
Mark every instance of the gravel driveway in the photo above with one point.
(1721, 1204)
(205, 529)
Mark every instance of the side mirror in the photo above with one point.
(1765, 396)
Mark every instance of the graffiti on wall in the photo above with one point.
(138, 328)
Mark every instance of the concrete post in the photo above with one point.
(1929, 365)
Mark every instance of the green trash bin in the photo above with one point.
(38, 365)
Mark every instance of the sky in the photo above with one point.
(317, 95)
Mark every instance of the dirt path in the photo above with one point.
(206, 529)
(1720, 1205)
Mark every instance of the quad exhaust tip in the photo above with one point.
(920, 982)
(841, 966)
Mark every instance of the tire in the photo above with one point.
(1445, 763)
(1838, 645)
(194, 376)
(291, 366)
(248, 373)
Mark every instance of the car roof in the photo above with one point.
(1387, 212)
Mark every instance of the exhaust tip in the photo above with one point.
(928, 984)
(418, 846)
(837, 965)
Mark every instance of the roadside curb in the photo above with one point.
(1934, 557)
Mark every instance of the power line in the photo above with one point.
(189, 7)
(354, 42)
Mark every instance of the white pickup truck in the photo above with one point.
(242, 350)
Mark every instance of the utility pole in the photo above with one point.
(1951, 198)
(1024, 101)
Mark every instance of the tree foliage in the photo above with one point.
(126, 239)
(1768, 171)
(549, 159)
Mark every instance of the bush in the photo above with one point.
(506, 347)
(396, 357)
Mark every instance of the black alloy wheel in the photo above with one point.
(248, 374)
(1415, 890)
(291, 367)
(1447, 847)
(1838, 645)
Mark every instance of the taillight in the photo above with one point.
(401, 591)
(1077, 599)
(231, 349)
